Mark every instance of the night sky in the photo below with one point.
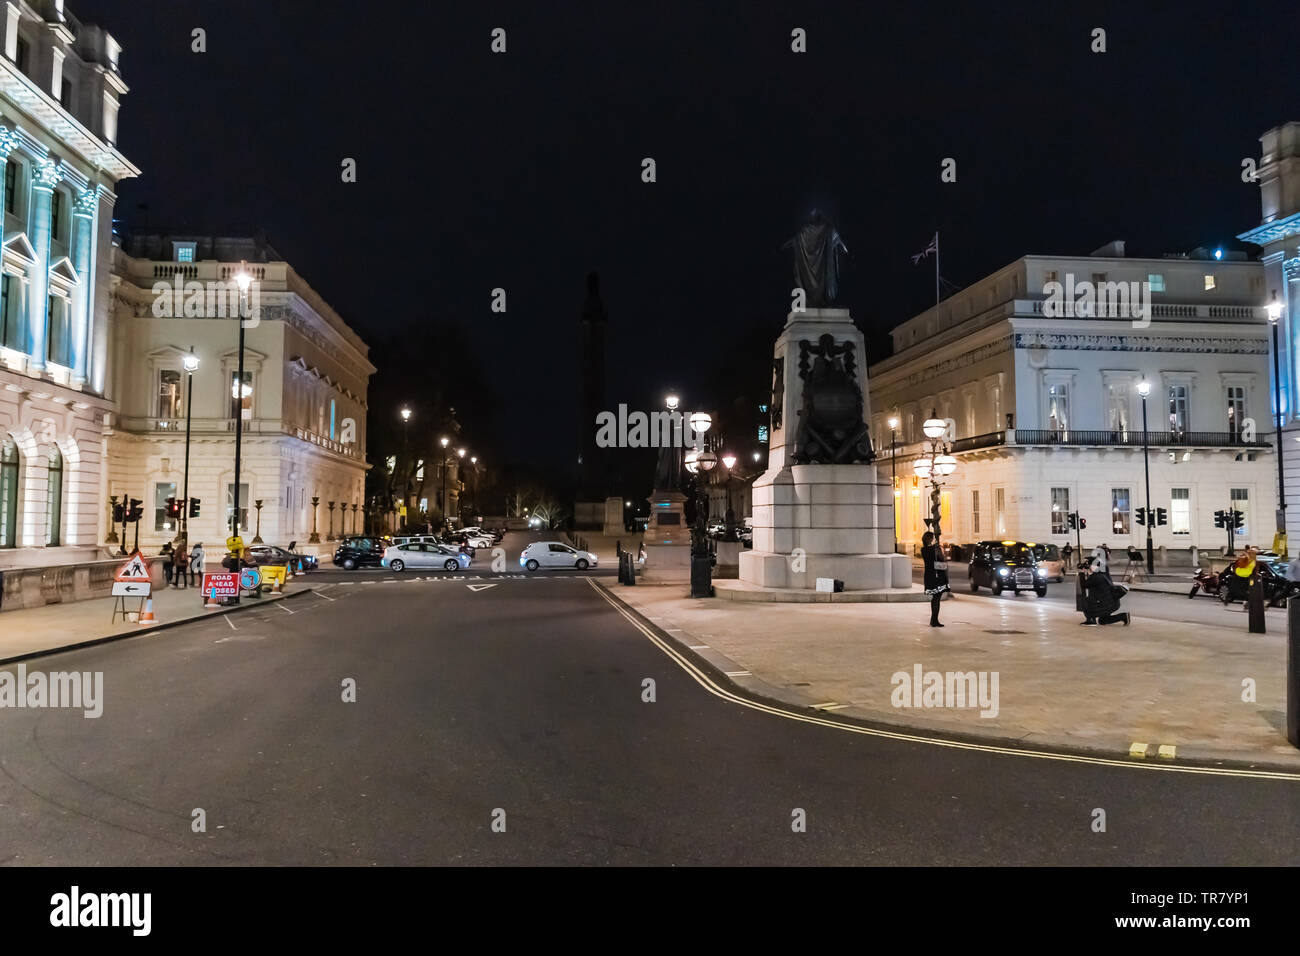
(523, 170)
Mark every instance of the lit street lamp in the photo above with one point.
(700, 463)
(937, 466)
(406, 468)
(191, 363)
(1274, 315)
(893, 469)
(243, 279)
(1144, 389)
(729, 462)
(443, 503)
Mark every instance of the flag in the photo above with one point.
(932, 247)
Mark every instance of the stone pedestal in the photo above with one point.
(820, 520)
(614, 526)
(667, 539)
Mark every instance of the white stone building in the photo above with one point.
(60, 87)
(1047, 416)
(1278, 236)
(304, 412)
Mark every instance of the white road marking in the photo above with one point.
(283, 608)
(703, 679)
(226, 618)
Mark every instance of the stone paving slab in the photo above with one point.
(1059, 684)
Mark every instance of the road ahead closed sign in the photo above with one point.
(221, 584)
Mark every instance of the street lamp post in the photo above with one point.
(406, 468)
(473, 492)
(460, 454)
(191, 363)
(443, 503)
(243, 279)
(935, 467)
(700, 464)
(1274, 314)
(893, 470)
(1144, 389)
(729, 462)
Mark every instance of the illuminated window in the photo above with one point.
(1180, 510)
(1121, 511)
(975, 512)
(1060, 511)
(1156, 281)
(1209, 283)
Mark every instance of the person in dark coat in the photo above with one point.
(1101, 598)
(1066, 552)
(936, 574)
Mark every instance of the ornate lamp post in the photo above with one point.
(244, 280)
(729, 462)
(893, 476)
(443, 502)
(191, 363)
(257, 535)
(315, 535)
(354, 517)
(1144, 389)
(473, 492)
(330, 537)
(460, 454)
(1274, 315)
(406, 470)
(940, 464)
(699, 464)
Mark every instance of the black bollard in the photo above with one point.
(1293, 672)
(1255, 604)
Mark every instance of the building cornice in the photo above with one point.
(1278, 230)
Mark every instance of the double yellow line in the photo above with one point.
(704, 680)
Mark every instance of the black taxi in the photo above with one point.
(1007, 566)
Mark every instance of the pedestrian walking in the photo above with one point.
(1065, 553)
(168, 559)
(936, 574)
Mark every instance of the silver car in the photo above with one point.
(415, 554)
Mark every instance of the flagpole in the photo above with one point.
(936, 267)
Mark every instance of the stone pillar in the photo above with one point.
(83, 212)
(46, 176)
(315, 510)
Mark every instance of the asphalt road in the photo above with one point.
(525, 695)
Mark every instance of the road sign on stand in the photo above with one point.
(135, 569)
(131, 581)
(220, 584)
(131, 588)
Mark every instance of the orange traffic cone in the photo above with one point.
(147, 617)
(209, 600)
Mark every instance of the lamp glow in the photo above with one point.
(191, 362)
(921, 467)
(893, 424)
(729, 461)
(945, 465)
(700, 422)
(707, 461)
(1274, 308)
(1144, 388)
(671, 401)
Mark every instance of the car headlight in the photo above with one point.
(1042, 572)
(1003, 572)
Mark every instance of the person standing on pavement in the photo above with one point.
(181, 566)
(168, 560)
(196, 561)
(1065, 553)
(936, 574)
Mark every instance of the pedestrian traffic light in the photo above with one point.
(119, 514)
(1083, 523)
(1162, 516)
(194, 507)
(137, 510)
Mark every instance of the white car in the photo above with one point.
(415, 554)
(555, 554)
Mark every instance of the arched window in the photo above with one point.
(54, 498)
(8, 493)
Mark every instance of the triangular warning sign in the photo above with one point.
(479, 587)
(135, 569)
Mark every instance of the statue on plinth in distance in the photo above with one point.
(816, 248)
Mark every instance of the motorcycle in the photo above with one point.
(1205, 580)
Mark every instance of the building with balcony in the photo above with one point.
(60, 89)
(302, 401)
(1044, 410)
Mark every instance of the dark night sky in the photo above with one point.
(523, 170)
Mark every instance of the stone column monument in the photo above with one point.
(820, 509)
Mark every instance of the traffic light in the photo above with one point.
(1238, 520)
(194, 507)
(173, 508)
(119, 514)
(137, 510)
(1220, 519)
(1162, 516)
(1074, 520)
(1142, 516)
(1083, 523)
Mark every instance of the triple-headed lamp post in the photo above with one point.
(939, 464)
(893, 470)
(696, 462)
(1274, 317)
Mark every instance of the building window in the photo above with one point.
(1157, 282)
(243, 503)
(975, 512)
(244, 403)
(162, 490)
(1121, 511)
(1049, 275)
(54, 499)
(169, 394)
(1060, 511)
(1209, 283)
(331, 419)
(58, 331)
(11, 312)
(184, 251)
(1058, 407)
(11, 186)
(1241, 502)
(1180, 510)
(1000, 512)
(1117, 404)
(21, 54)
(1236, 396)
(56, 215)
(1178, 409)
(9, 461)
(65, 95)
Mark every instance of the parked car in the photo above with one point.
(271, 554)
(1049, 556)
(359, 551)
(418, 538)
(1003, 565)
(746, 535)
(417, 554)
(555, 554)
(474, 541)
(1278, 589)
(495, 535)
